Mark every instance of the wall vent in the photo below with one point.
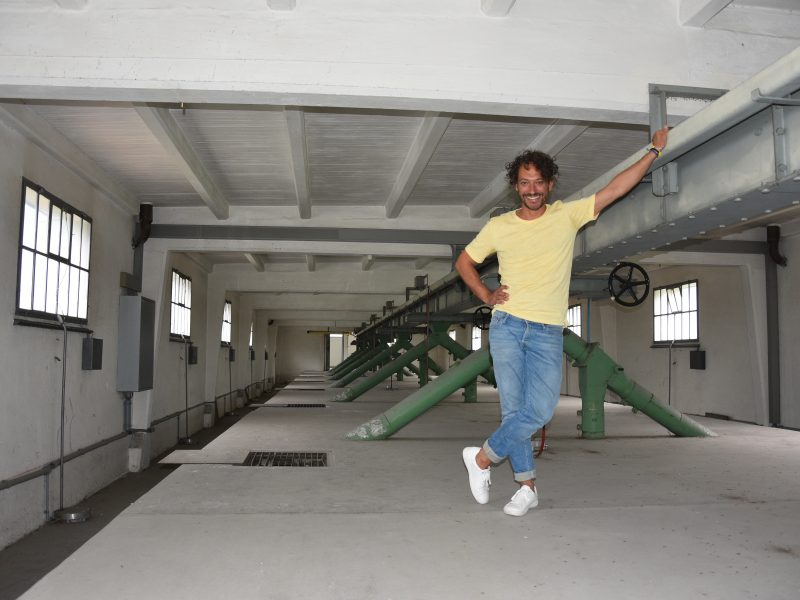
(286, 459)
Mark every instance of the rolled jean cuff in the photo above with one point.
(526, 476)
(491, 453)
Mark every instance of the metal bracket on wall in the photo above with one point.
(665, 179)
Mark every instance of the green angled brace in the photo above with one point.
(351, 393)
(358, 371)
(411, 407)
(597, 371)
(369, 354)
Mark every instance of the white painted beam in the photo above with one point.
(497, 8)
(168, 133)
(295, 124)
(311, 262)
(72, 4)
(696, 13)
(54, 143)
(282, 4)
(367, 262)
(430, 133)
(552, 141)
(201, 261)
(256, 261)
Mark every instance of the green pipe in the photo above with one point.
(342, 369)
(351, 393)
(597, 371)
(460, 353)
(350, 360)
(358, 371)
(411, 407)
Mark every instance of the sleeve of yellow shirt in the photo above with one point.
(483, 244)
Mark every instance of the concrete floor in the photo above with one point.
(640, 513)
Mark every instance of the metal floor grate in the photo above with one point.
(286, 459)
(307, 405)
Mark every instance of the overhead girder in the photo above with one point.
(736, 159)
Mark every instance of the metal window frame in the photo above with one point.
(678, 286)
(173, 334)
(224, 342)
(579, 325)
(66, 208)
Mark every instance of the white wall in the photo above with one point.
(298, 351)
(30, 393)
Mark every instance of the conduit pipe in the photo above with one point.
(598, 372)
(401, 414)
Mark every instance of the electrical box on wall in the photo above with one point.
(136, 336)
(92, 354)
(231, 355)
(252, 354)
(697, 360)
(192, 354)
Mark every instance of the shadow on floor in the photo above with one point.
(26, 561)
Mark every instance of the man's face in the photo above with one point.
(532, 188)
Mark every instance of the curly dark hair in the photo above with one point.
(544, 163)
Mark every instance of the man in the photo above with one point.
(534, 247)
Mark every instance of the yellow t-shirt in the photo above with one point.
(535, 258)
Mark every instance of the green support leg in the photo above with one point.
(471, 391)
(408, 409)
(345, 364)
(368, 355)
(598, 371)
(360, 370)
(351, 393)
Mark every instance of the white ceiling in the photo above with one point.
(281, 165)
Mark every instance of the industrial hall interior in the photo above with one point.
(238, 359)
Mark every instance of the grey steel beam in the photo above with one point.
(310, 234)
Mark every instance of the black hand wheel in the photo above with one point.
(628, 284)
(482, 317)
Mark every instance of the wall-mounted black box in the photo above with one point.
(231, 355)
(697, 360)
(192, 354)
(92, 354)
(252, 354)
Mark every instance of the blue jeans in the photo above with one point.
(527, 366)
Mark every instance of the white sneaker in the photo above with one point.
(525, 498)
(479, 479)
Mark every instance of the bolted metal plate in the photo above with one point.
(286, 459)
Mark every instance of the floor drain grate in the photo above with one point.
(286, 459)
(304, 405)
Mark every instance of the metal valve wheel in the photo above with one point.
(628, 284)
(482, 317)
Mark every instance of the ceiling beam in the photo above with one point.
(282, 4)
(255, 260)
(497, 8)
(200, 261)
(53, 142)
(367, 262)
(311, 262)
(296, 127)
(552, 140)
(72, 4)
(696, 13)
(430, 133)
(168, 133)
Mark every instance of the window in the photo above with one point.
(181, 321)
(54, 247)
(574, 319)
(675, 313)
(452, 334)
(226, 323)
(251, 335)
(476, 338)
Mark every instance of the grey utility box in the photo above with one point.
(136, 335)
